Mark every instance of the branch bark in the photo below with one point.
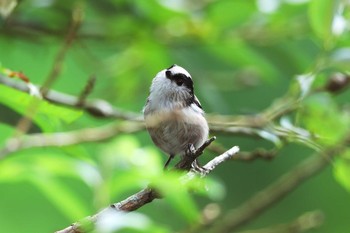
(146, 195)
(97, 108)
(259, 126)
(69, 138)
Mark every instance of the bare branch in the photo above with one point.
(212, 164)
(69, 138)
(259, 126)
(77, 18)
(146, 195)
(247, 156)
(97, 108)
(25, 122)
(307, 221)
(87, 90)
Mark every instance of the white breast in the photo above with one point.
(173, 131)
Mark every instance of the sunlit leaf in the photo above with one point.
(5, 133)
(65, 200)
(6, 7)
(270, 137)
(321, 117)
(340, 58)
(321, 14)
(220, 14)
(127, 167)
(209, 187)
(239, 53)
(305, 82)
(112, 221)
(125, 153)
(177, 195)
(28, 162)
(341, 170)
(47, 115)
(43, 170)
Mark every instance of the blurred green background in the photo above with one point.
(242, 54)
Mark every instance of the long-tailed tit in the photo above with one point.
(173, 115)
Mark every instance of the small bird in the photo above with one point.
(173, 115)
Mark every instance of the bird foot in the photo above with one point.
(199, 169)
(191, 150)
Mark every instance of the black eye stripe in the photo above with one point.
(168, 74)
(180, 79)
(180, 76)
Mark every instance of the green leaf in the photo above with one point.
(321, 14)
(220, 13)
(5, 133)
(35, 163)
(320, 116)
(68, 202)
(341, 170)
(177, 195)
(48, 116)
(6, 7)
(238, 52)
(127, 167)
(44, 171)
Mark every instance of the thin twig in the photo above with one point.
(25, 122)
(259, 126)
(212, 164)
(77, 18)
(144, 196)
(97, 108)
(86, 91)
(69, 138)
(271, 132)
(307, 221)
(247, 156)
(253, 126)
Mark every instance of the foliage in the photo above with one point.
(285, 61)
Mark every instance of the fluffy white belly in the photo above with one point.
(174, 131)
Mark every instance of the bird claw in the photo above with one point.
(199, 169)
(191, 150)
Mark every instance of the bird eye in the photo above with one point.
(179, 82)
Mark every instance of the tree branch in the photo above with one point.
(307, 221)
(146, 195)
(254, 126)
(97, 108)
(273, 193)
(87, 90)
(247, 156)
(25, 122)
(69, 138)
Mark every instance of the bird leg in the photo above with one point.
(191, 151)
(168, 161)
(198, 168)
